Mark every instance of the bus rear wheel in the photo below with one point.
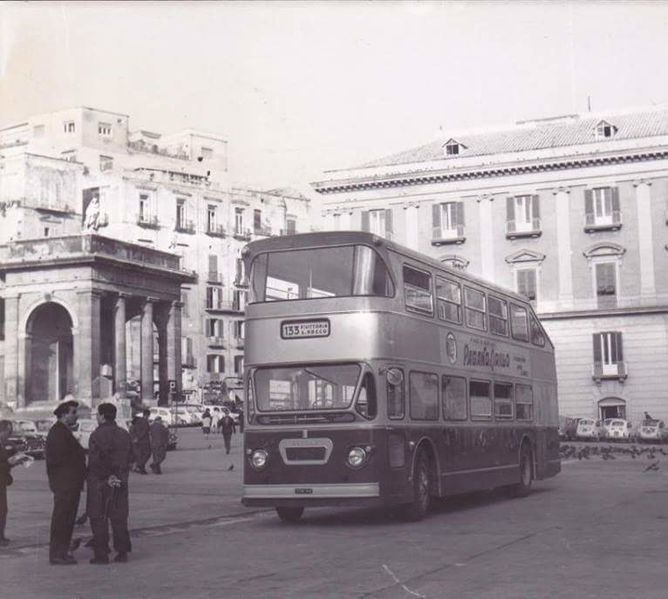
(418, 508)
(523, 488)
(289, 514)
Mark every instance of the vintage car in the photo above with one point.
(589, 429)
(652, 431)
(616, 429)
(28, 439)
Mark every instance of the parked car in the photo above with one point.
(652, 431)
(588, 429)
(616, 429)
(568, 428)
(44, 425)
(84, 427)
(164, 413)
(32, 442)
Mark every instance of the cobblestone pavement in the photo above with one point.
(599, 529)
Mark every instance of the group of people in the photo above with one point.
(149, 440)
(224, 424)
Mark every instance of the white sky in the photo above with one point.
(299, 88)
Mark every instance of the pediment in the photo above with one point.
(604, 249)
(522, 256)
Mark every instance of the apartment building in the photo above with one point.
(568, 211)
(85, 169)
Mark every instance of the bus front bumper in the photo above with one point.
(310, 494)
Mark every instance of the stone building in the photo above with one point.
(84, 169)
(569, 211)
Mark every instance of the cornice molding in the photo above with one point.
(409, 179)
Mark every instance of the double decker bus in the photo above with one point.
(376, 375)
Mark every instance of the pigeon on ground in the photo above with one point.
(231, 467)
(652, 467)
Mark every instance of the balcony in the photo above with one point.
(189, 361)
(604, 371)
(519, 229)
(242, 234)
(608, 222)
(215, 277)
(442, 236)
(215, 231)
(224, 306)
(148, 222)
(51, 207)
(262, 231)
(215, 341)
(186, 226)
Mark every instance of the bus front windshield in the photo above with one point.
(318, 273)
(306, 388)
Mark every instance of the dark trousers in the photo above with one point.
(3, 510)
(142, 454)
(65, 505)
(227, 437)
(109, 506)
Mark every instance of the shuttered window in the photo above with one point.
(448, 220)
(526, 282)
(606, 279)
(379, 222)
(602, 207)
(522, 213)
(608, 348)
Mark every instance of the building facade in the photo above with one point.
(570, 212)
(83, 169)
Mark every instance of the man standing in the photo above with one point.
(109, 460)
(66, 469)
(6, 464)
(141, 441)
(159, 442)
(227, 428)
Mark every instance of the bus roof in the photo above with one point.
(325, 238)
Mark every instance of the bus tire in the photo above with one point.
(417, 509)
(289, 514)
(523, 488)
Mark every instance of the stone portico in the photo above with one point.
(67, 302)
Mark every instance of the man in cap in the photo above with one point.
(66, 469)
(159, 443)
(109, 459)
(141, 441)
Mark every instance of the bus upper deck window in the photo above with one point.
(366, 404)
(370, 275)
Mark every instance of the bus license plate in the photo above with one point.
(299, 329)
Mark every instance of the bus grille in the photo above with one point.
(306, 418)
(295, 454)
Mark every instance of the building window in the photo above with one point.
(525, 281)
(605, 274)
(239, 221)
(206, 152)
(447, 223)
(292, 224)
(211, 218)
(449, 298)
(184, 303)
(238, 329)
(417, 290)
(215, 363)
(602, 209)
(257, 220)
(180, 213)
(214, 298)
(68, 127)
(214, 327)
(475, 308)
(498, 316)
(605, 129)
(608, 355)
(104, 129)
(378, 222)
(522, 215)
(423, 396)
(69, 155)
(106, 163)
(238, 365)
(453, 148)
(46, 231)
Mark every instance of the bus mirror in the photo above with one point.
(395, 376)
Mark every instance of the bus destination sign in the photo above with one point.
(300, 329)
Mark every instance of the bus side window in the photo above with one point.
(503, 401)
(449, 298)
(396, 396)
(453, 396)
(423, 395)
(518, 322)
(417, 290)
(481, 403)
(475, 309)
(524, 402)
(367, 405)
(537, 337)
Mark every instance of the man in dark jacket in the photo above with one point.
(227, 428)
(141, 442)
(66, 469)
(159, 443)
(109, 459)
(7, 462)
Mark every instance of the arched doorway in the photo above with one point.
(49, 353)
(612, 407)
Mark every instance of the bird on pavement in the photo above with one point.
(652, 467)
(231, 467)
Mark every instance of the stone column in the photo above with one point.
(562, 207)
(160, 317)
(412, 226)
(13, 395)
(87, 348)
(645, 243)
(147, 350)
(486, 238)
(173, 345)
(120, 358)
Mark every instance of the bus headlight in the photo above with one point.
(356, 457)
(259, 459)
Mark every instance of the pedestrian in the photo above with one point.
(109, 460)
(215, 420)
(141, 441)
(206, 422)
(228, 429)
(7, 462)
(159, 442)
(66, 469)
(241, 420)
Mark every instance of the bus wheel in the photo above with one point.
(523, 488)
(418, 508)
(289, 514)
